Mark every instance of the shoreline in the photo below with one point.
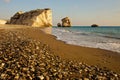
(90, 56)
(46, 31)
(86, 39)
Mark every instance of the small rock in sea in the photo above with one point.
(94, 25)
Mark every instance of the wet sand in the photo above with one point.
(90, 56)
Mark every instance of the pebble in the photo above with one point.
(16, 77)
(86, 79)
(60, 76)
(2, 65)
(41, 77)
(47, 78)
(23, 58)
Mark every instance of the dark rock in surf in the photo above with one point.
(94, 25)
(59, 25)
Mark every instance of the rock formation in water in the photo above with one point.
(59, 25)
(66, 22)
(3, 21)
(35, 18)
(94, 25)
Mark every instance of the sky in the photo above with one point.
(81, 12)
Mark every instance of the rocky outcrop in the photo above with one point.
(3, 21)
(94, 25)
(66, 22)
(35, 18)
(59, 25)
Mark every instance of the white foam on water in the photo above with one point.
(87, 40)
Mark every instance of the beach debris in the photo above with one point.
(23, 58)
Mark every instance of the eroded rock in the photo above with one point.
(66, 22)
(35, 18)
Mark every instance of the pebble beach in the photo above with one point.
(23, 57)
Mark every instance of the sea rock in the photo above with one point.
(35, 18)
(94, 25)
(59, 25)
(3, 21)
(66, 22)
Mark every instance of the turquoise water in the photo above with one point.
(105, 31)
(104, 37)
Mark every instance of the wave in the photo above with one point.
(87, 39)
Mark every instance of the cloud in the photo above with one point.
(7, 1)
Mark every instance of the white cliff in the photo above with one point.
(3, 21)
(35, 18)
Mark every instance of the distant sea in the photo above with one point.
(103, 37)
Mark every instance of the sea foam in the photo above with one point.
(87, 39)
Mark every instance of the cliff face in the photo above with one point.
(35, 18)
(66, 22)
(3, 22)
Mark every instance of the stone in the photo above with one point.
(16, 77)
(37, 47)
(59, 25)
(41, 77)
(94, 25)
(35, 18)
(3, 76)
(66, 22)
(2, 65)
(86, 79)
(60, 76)
(47, 78)
(25, 69)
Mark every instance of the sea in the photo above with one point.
(103, 37)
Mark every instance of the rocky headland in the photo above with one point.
(35, 18)
(25, 58)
